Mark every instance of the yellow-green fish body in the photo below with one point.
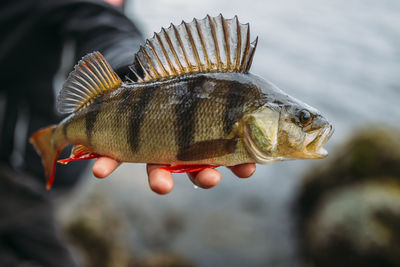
(194, 102)
(190, 119)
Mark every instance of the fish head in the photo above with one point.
(292, 130)
(302, 132)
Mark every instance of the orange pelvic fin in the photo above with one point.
(79, 152)
(188, 168)
(42, 140)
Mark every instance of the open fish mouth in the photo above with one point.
(315, 140)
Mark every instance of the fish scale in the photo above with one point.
(194, 105)
(148, 110)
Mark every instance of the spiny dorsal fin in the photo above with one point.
(91, 77)
(208, 45)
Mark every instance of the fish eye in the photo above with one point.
(304, 116)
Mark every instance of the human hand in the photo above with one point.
(161, 181)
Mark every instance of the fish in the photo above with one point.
(192, 104)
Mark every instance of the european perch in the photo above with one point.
(194, 105)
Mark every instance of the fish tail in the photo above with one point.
(42, 140)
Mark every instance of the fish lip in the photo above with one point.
(315, 148)
(320, 154)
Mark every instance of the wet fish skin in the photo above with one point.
(193, 103)
(156, 122)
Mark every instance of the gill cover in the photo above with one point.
(260, 131)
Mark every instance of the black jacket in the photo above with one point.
(33, 35)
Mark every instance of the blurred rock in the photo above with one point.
(357, 225)
(165, 260)
(95, 233)
(98, 233)
(349, 209)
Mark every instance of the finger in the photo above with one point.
(160, 180)
(243, 170)
(104, 166)
(206, 178)
(192, 176)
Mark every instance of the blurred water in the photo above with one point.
(343, 57)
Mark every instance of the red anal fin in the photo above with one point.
(79, 152)
(188, 168)
(82, 157)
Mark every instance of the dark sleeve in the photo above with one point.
(92, 26)
(96, 26)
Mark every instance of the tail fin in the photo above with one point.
(42, 141)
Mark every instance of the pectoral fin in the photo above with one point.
(208, 149)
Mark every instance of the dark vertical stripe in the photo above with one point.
(65, 129)
(138, 111)
(91, 116)
(124, 103)
(185, 113)
(124, 109)
(236, 97)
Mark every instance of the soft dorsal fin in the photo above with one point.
(91, 77)
(208, 45)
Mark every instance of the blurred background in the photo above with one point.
(342, 57)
